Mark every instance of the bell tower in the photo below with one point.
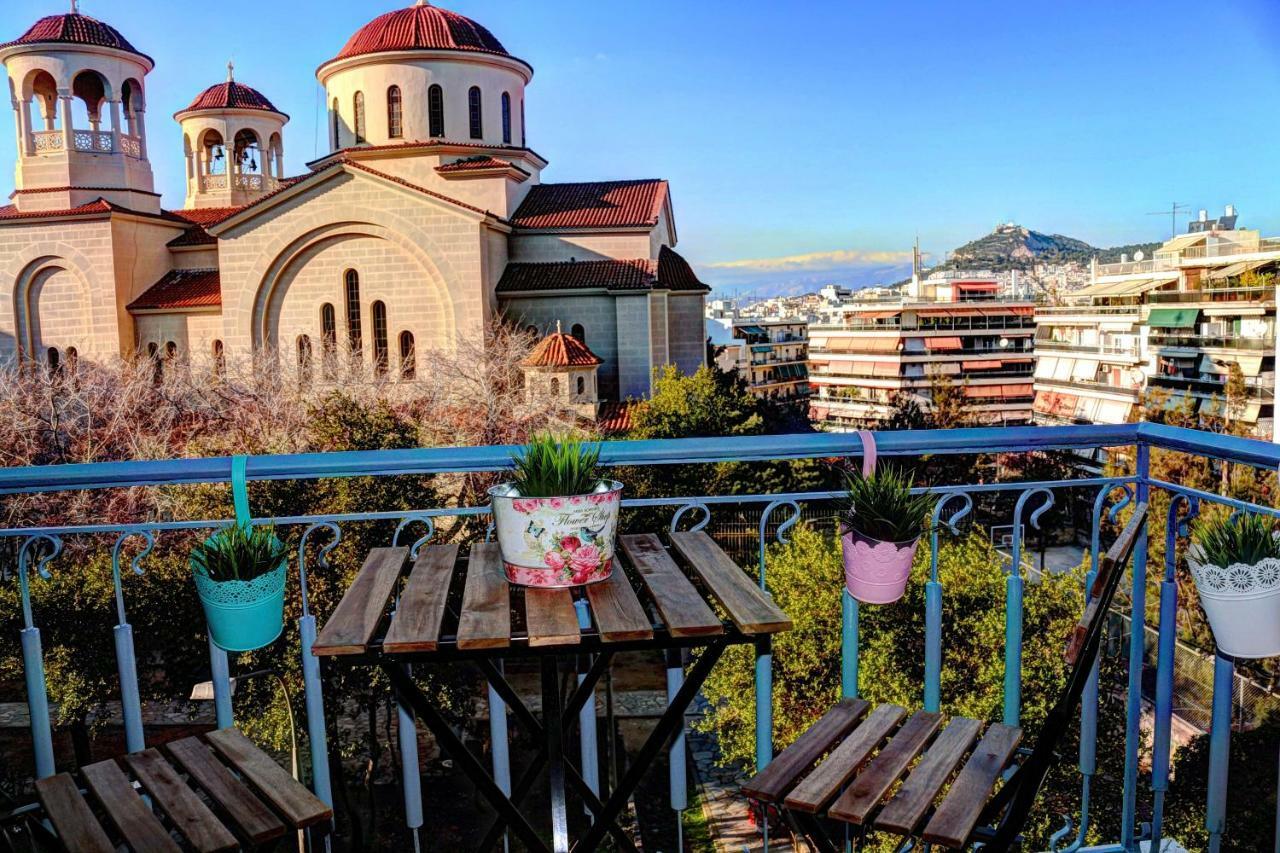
(77, 90)
(233, 140)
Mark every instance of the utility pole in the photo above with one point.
(1174, 209)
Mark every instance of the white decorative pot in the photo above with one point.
(1242, 603)
(557, 542)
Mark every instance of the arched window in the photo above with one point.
(582, 386)
(357, 111)
(578, 332)
(395, 127)
(435, 111)
(328, 339)
(506, 118)
(157, 363)
(380, 355)
(219, 359)
(73, 360)
(355, 341)
(337, 126)
(55, 362)
(304, 360)
(555, 387)
(476, 109)
(171, 350)
(408, 356)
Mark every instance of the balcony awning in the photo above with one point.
(1235, 269)
(1053, 403)
(751, 330)
(1045, 366)
(944, 343)
(1250, 365)
(942, 368)
(1113, 412)
(1063, 370)
(981, 365)
(761, 348)
(1085, 370)
(876, 315)
(876, 344)
(1023, 310)
(1173, 318)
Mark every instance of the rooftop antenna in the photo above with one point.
(1174, 209)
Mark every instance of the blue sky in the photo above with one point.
(814, 139)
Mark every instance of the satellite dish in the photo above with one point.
(1139, 255)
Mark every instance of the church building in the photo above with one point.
(427, 219)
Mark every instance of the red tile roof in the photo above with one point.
(10, 211)
(560, 350)
(75, 29)
(670, 271)
(477, 164)
(231, 96)
(600, 204)
(181, 289)
(420, 144)
(638, 274)
(421, 27)
(614, 417)
(200, 218)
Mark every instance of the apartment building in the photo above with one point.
(962, 328)
(1176, 322)
(771, 355)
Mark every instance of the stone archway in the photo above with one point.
(51, 308)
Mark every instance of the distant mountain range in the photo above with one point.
(1008, 247)
(1012, 247)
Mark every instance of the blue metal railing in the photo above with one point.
(40, 544)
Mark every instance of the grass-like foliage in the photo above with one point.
(240, 552)
(1248, 539)
(551, 467)
(882, 507)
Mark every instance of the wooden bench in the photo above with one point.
(212, 794)
(858, 766)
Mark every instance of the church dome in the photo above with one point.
(421, 27)
(74, 28)
(231, 96)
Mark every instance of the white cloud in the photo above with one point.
(815, 261)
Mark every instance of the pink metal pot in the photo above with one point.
(876, 572)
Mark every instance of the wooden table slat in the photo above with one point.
(361, 610)
(953, 822)
(186, 811)
(741, 597)
(771, 783)
(822, 785)
(73, 820)
(250, 817)
(878, 777)
(618, 614)
(416, 624)
(908, 807)
(678, 602)
(300, 807)
(550, 618)
(139, 827)
(485, 620)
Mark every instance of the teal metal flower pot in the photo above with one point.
(243, 615)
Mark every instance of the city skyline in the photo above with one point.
(974, 117)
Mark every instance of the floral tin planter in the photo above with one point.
(1242, 603)
(876, 572)
(557, 542)
(243, 615)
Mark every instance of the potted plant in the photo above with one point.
(557, 519)
(240, 574)
(1236, 566)
(881, 524)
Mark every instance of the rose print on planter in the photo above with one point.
(557, 542)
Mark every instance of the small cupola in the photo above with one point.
(233, 140)
(562, 368)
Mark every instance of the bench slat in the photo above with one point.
(416, 624)
(550, 618)
(485, 622)
(361, 610)
(72, 819)
(822, 785)
(186, 811)
(741, 597)
(771, 783)
(878, 777)
(960, 809)
(914, 799)
(137, 824)
(300, 807)
(249, 816)
(619, 616)
(681, 607)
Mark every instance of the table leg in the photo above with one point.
(671, 720)
(552, 728)
(407, 691)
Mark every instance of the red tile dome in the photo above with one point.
(231, 96)
(421, 27)
(74, 28)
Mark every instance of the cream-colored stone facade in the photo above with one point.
(428, 218)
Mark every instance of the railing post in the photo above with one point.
(1215, 815)
(410, 776)
(1137, 628)
(676, 765)
(317, 737)
(848, 646)
(587, 716)
(1013, 644)
(499, 743)
(932, 646)
(37, 702)
(220, 674)
(764, 702)
(1168, 628)
(130, 700)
